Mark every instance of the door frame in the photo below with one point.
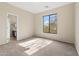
(16, 24)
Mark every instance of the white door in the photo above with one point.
(8, 30)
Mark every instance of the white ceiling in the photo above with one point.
(36, 7)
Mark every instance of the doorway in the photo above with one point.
(12, 26)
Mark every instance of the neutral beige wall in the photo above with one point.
(2, 26)
(77, 27)
(65, 24)
(25, 22)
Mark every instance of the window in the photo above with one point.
(50, 23)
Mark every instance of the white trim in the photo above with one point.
(17, 21)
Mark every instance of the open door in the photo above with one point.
(8, 30)
(11, 27)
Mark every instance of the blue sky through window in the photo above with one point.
(46, 20)
(52, 18)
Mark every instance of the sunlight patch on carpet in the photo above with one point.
(35, 45)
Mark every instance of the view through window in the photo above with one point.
(50, 23)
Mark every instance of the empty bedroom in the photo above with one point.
(39, 29)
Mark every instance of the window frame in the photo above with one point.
(49, 23)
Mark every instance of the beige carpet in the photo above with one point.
(34, 45)
(37, 47)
